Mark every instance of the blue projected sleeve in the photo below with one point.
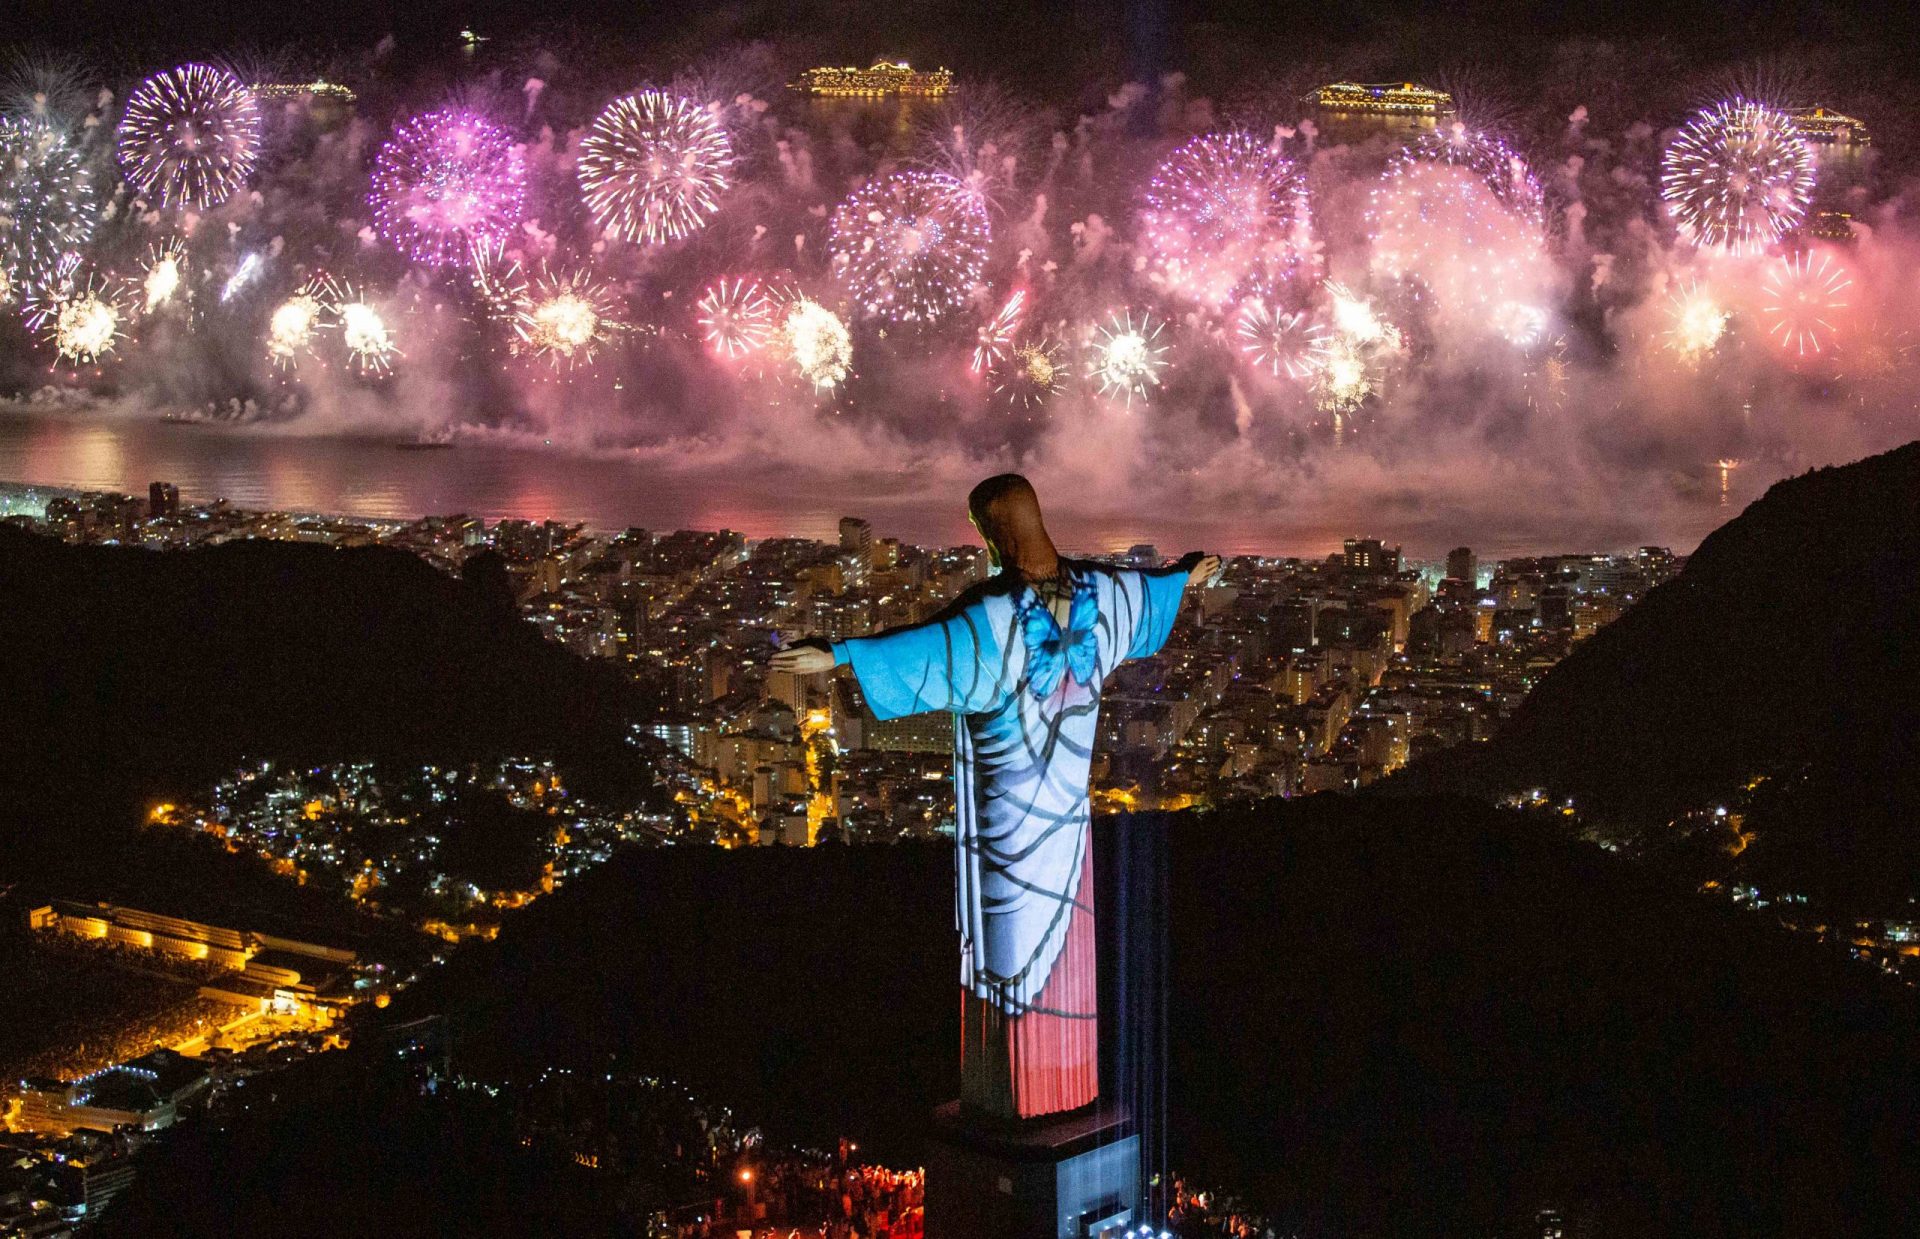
(952, 663)
(1159, 607)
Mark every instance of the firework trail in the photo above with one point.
(995, 336)
(1280, 342)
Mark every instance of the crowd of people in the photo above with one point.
(800, 1197)
(76, 1006)
(1197, 1214)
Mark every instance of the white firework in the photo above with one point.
(1127, 356)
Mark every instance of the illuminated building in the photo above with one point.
(1385, 99)
(884, 78)
(856, 535)
(163, 499)
(1824, 125)
(1591, 613)
(274, 973)
(1371, 556)
(144, 1093)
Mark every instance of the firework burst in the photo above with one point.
(294, 322)
(1222, 209)
(910, 246)
(982, 137)
(1695, 321)
(448, 185)
(84, 324)
(371, 349)
(1030, 373)
(1127, 356)
(995, 337)
(1488, 159)
(190, 136)
(1441, 227)
(737, 316)
(653, 167)
(818, 343)
(164, 281)
(45, 201)
(1347, 378)
(1519, 323)
(1806, 295)
(1280, 342)
(1738, 177)
(565, 318)
(1355, 319)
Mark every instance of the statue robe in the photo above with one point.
(1027, 689)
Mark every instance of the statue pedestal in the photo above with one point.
(1076, 1176)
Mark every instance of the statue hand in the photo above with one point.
(1201, 568)
(804, 657)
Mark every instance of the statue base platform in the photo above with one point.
(1074, 1176)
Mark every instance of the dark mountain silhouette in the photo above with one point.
(1411, 1017)
(1788, 651)
(129, 676)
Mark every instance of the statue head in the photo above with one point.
(1006, 511)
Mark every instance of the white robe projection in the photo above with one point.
(1026, 686)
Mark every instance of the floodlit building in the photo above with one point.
(270, 972)
(144, 1094)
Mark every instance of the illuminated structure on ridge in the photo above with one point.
(886, 77)
(1386, 98)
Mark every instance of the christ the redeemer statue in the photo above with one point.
(1022, 658)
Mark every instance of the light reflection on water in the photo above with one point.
(374, 477)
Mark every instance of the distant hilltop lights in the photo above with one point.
(1824, 125)
(885, 77)
(1388, 98)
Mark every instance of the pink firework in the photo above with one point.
(1496, 165)
(1806, 297)
(448, 183)
(1280, 342)
(995, 337)
(736, 316)
(1224, 209)
(910, 246)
